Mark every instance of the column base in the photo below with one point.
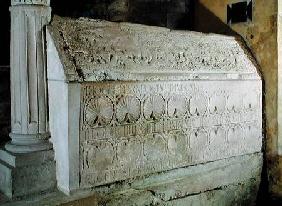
(26, 174)
(26, 143)
(28, 148)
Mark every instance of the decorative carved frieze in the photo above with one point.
(30, 2)
(142, 128)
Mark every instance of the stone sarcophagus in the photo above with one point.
(128, 101)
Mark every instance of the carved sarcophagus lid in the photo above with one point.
(130, 100)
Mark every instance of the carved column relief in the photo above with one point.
(28, 76)
(132, 129)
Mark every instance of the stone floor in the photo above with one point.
(51, 199)
(57, 198)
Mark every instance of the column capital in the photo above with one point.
(30, 2)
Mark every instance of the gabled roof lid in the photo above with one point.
(97, 50)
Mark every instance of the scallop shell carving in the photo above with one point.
(98, 111)
(217, 104)
(234, 103)
(198, 104)
(154, 107)
(250, 101)
(128, 109)
(176, 106)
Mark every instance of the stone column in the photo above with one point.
(28, 76)
(27, 160)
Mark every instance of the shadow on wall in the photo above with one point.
(205, 21)
(4, 104)
(5, 33)
(172, 14)
(4, 72)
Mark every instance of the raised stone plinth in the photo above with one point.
(206, 184)
(129, 101)
(25, 174)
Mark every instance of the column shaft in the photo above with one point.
(29, 106)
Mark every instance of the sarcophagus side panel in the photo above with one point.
(130, 129)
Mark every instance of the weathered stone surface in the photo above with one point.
(30, 2)
(133, 129)
(95, 50)
(213, 183)
(26, 174)
(120, 130)
(232, 181)
(243, 194)
(203, 177)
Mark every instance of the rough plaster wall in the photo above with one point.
(261, 37)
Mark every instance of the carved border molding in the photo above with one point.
(30, 2)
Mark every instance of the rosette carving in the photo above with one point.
(128, 109)
(98, 111)
(154, 107)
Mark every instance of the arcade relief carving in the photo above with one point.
(134, 129)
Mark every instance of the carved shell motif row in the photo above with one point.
(101, 110)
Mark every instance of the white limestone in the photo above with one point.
(96, 50)
(178, 99)
(28, 74)
(30, 2)
(20, 174)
